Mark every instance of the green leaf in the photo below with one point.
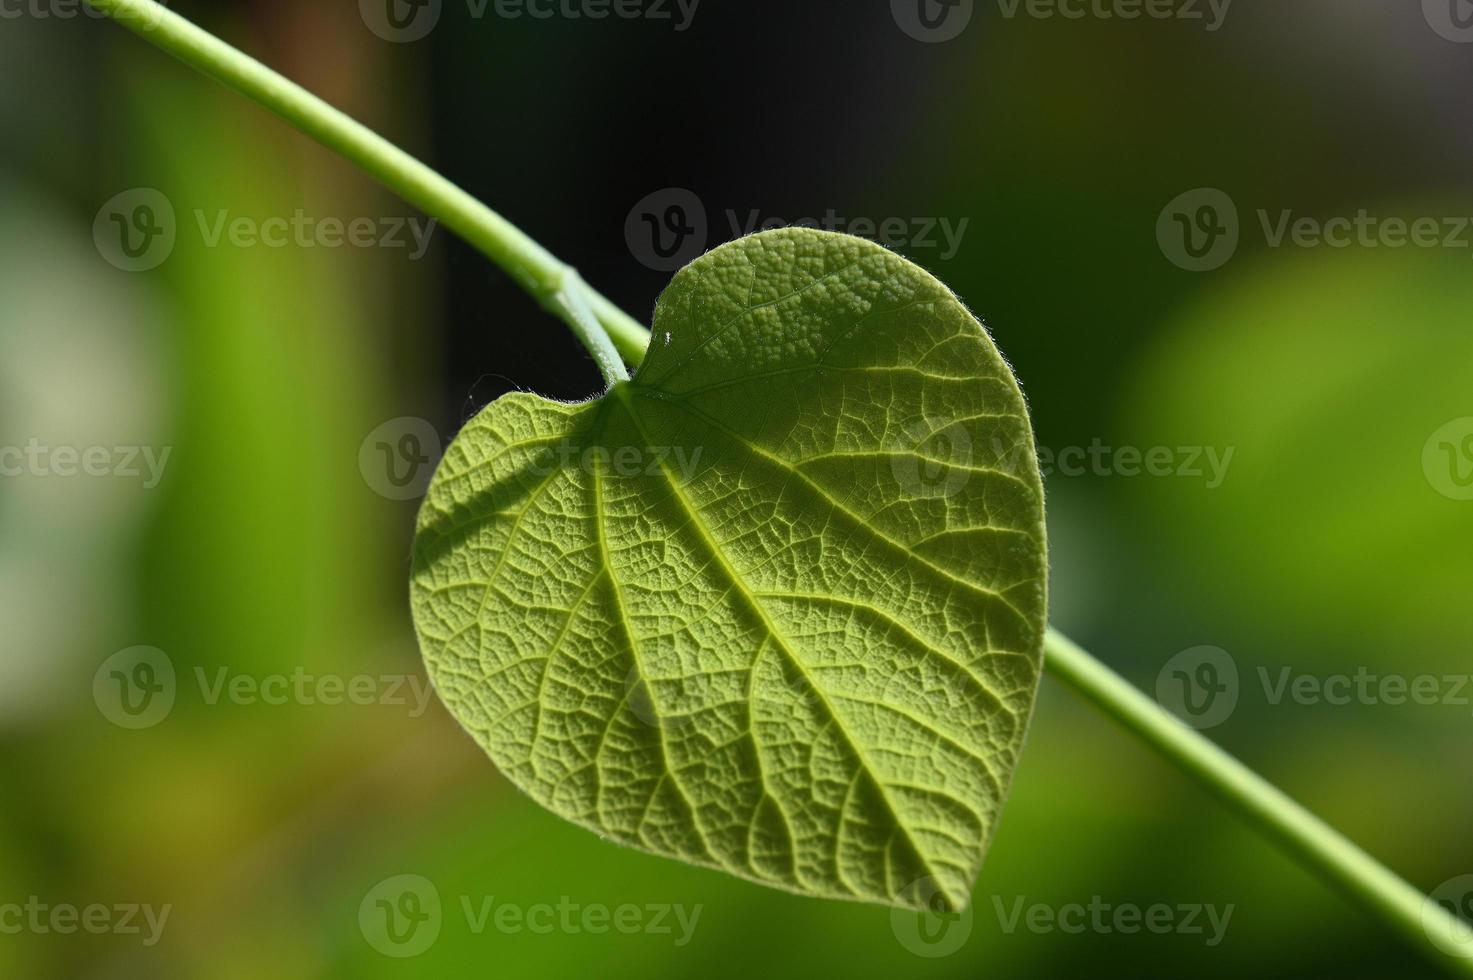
(774, 606)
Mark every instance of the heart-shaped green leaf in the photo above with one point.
(774, 606)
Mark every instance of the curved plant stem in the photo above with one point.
(571, 301)
(529, 263)
(608, 332)
(1306, 837)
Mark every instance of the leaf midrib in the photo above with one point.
(621, 394)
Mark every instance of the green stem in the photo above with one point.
(604, 329)
(571, 301)
(529, 263)
(1306, 837)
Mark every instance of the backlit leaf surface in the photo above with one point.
(774, 606)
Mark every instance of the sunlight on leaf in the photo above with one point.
(776, 605)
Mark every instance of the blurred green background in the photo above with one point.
(274, 541)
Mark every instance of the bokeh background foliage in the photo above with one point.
(264, 550)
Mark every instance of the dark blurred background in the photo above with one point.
(1114, 190)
